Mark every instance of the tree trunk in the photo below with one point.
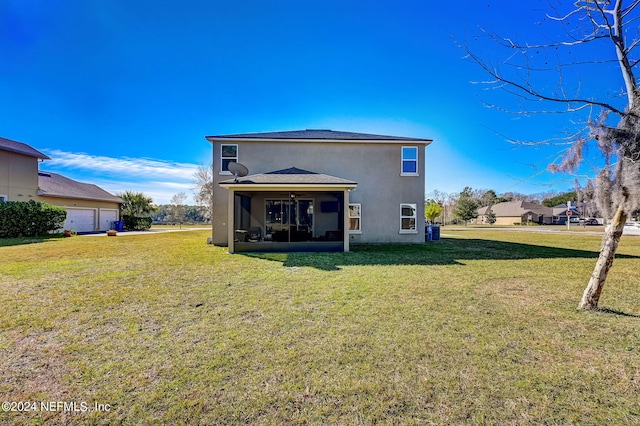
(610, 242)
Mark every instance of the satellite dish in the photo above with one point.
(238, 170)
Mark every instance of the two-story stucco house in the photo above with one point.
(89, 207)
(19, 171)
(317, 190)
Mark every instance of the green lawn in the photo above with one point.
(480, 328)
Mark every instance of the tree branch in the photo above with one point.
(536, 94)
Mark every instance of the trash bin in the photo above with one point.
(435, 232)
(428, 235)
(118, 225)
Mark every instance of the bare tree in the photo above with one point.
(596, 36)
(447, 201)
(203, 188)
(177, 208)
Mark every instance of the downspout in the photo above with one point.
(230, 220)
(345, 215)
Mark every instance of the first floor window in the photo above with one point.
(228, 153)
(355, 218)
(3, 198)
(408, 215)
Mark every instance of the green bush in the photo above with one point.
(134, 223)
(29, 219)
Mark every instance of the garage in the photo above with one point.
(89, 207)
(80, 220)
(107, 217)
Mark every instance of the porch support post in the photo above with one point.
(231, 205)
(345, 227)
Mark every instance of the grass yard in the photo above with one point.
(480, 328)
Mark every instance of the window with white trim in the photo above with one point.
(355, 218)
(408, 216)
(409, 166)
(4, 197)
(228, 153)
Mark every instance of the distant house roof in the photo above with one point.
(318, 135)
(55, 185)
(21, 148)
(516, 208)
(290, 176)
(561, 209)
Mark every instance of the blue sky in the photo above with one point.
(121, 93)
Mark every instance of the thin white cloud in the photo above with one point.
(157, 179)
(185, 187)
(141, 167)
(160, 192)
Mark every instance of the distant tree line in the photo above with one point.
(171, 213)
(460, 207)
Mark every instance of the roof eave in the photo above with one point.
(424, 142)
(45, 194)
(39, 156)
(281, 186)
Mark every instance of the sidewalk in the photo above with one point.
(149, 232)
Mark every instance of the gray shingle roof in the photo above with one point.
(55, 185)
(291, 176)
(516, 208)
(21, 148)
(318, 134)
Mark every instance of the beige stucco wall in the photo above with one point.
(73, 202)
(18, 176)
(507, 220)
(510, 220)
(374, 166)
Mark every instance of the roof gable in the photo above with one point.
(291, 171)
(55, 185)
(290, 176)
(21, 148)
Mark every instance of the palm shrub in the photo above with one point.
(432, 211)
(136, 210)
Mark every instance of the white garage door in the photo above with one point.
(107, 217)
(80, 220)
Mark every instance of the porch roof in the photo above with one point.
(291, 177)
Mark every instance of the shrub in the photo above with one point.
(134, 223)
(29, 219)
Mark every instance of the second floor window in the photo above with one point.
(409, 161)
(228, 153)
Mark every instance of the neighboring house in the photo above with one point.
(317, 190)
(511, 212)
(19, 171)
(89, 208)
(560, 212)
